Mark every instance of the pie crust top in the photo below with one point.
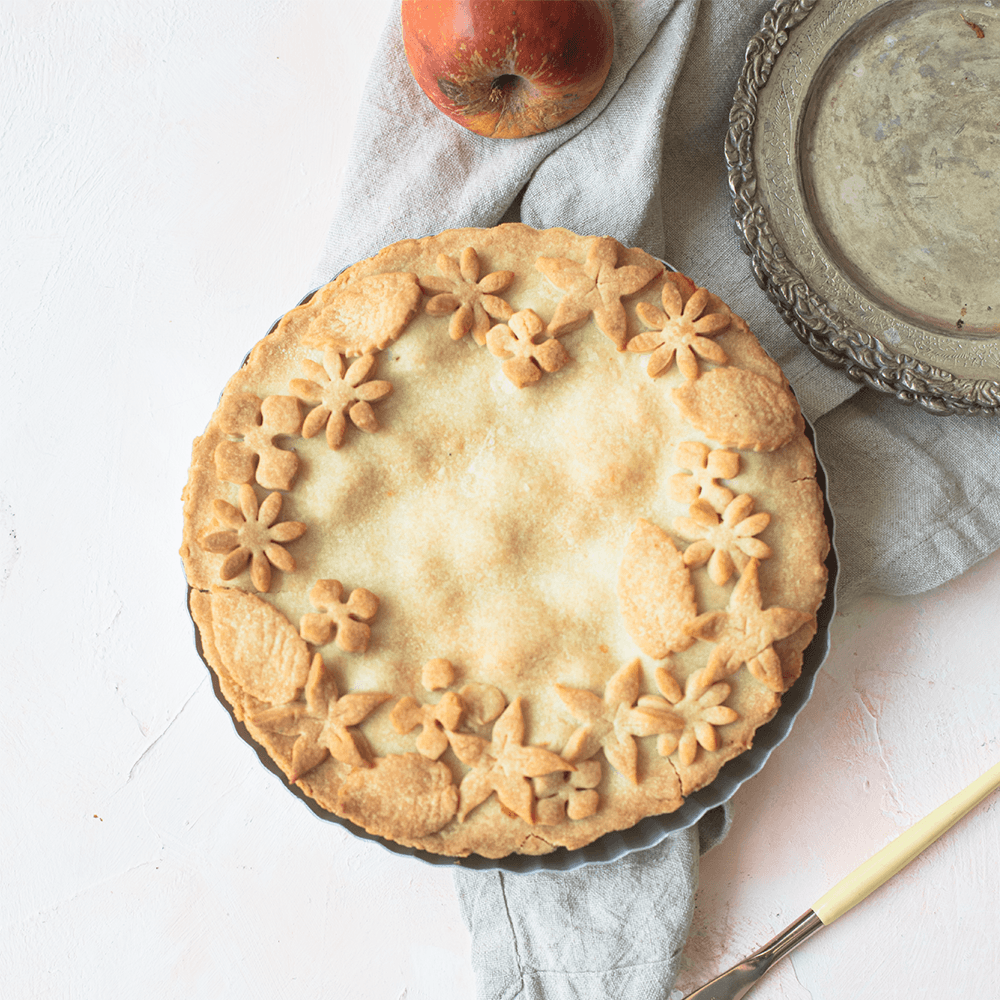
(504, 540)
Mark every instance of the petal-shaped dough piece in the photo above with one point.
(533, 762)
(235, 462)
(482, 702)
(306, 756)
(585, 705)
(622, 755)
(277, 469)
(353, 709)
(514, 792)
(476, 788)
(521, 371)
(343, 746)
(623, 685)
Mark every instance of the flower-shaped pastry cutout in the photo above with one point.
(251, 535)
(437, 721)
(321, 720)
(503, 765)
(614, 721)
(568, 795)
(258, 422)
(340, 618)
(725, 543)
(596, 286)
(699, 705)
(341, 392)
(681, 330)
(705, 468)
(529, 358)
(471, 301)
(746, 631)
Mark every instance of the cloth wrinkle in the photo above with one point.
(510, 922)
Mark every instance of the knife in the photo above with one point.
(849, 891)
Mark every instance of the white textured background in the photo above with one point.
(167, 174)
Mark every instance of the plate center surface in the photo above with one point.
(900, 163)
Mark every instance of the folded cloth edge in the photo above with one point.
(560, 936)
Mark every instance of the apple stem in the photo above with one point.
(502, 86)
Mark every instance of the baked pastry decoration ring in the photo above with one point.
(503, 543)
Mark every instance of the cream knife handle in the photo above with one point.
(866, 878)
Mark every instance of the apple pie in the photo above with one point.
(505, 539)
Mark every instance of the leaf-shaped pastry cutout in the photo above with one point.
(739, 408)
(259, 646)
(366, 315)
(401, 797)
(655, 592)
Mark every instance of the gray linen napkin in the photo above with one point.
(915, 496)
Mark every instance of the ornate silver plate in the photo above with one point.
(864, 165)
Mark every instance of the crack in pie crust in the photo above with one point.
(478, 577)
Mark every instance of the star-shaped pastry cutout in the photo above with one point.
(503, 765)
(320, 721)
(746, 631)
(613, 722)
(596, 286)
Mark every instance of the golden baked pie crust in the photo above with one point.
(504, 540)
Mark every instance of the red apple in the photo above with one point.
(511, 68)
